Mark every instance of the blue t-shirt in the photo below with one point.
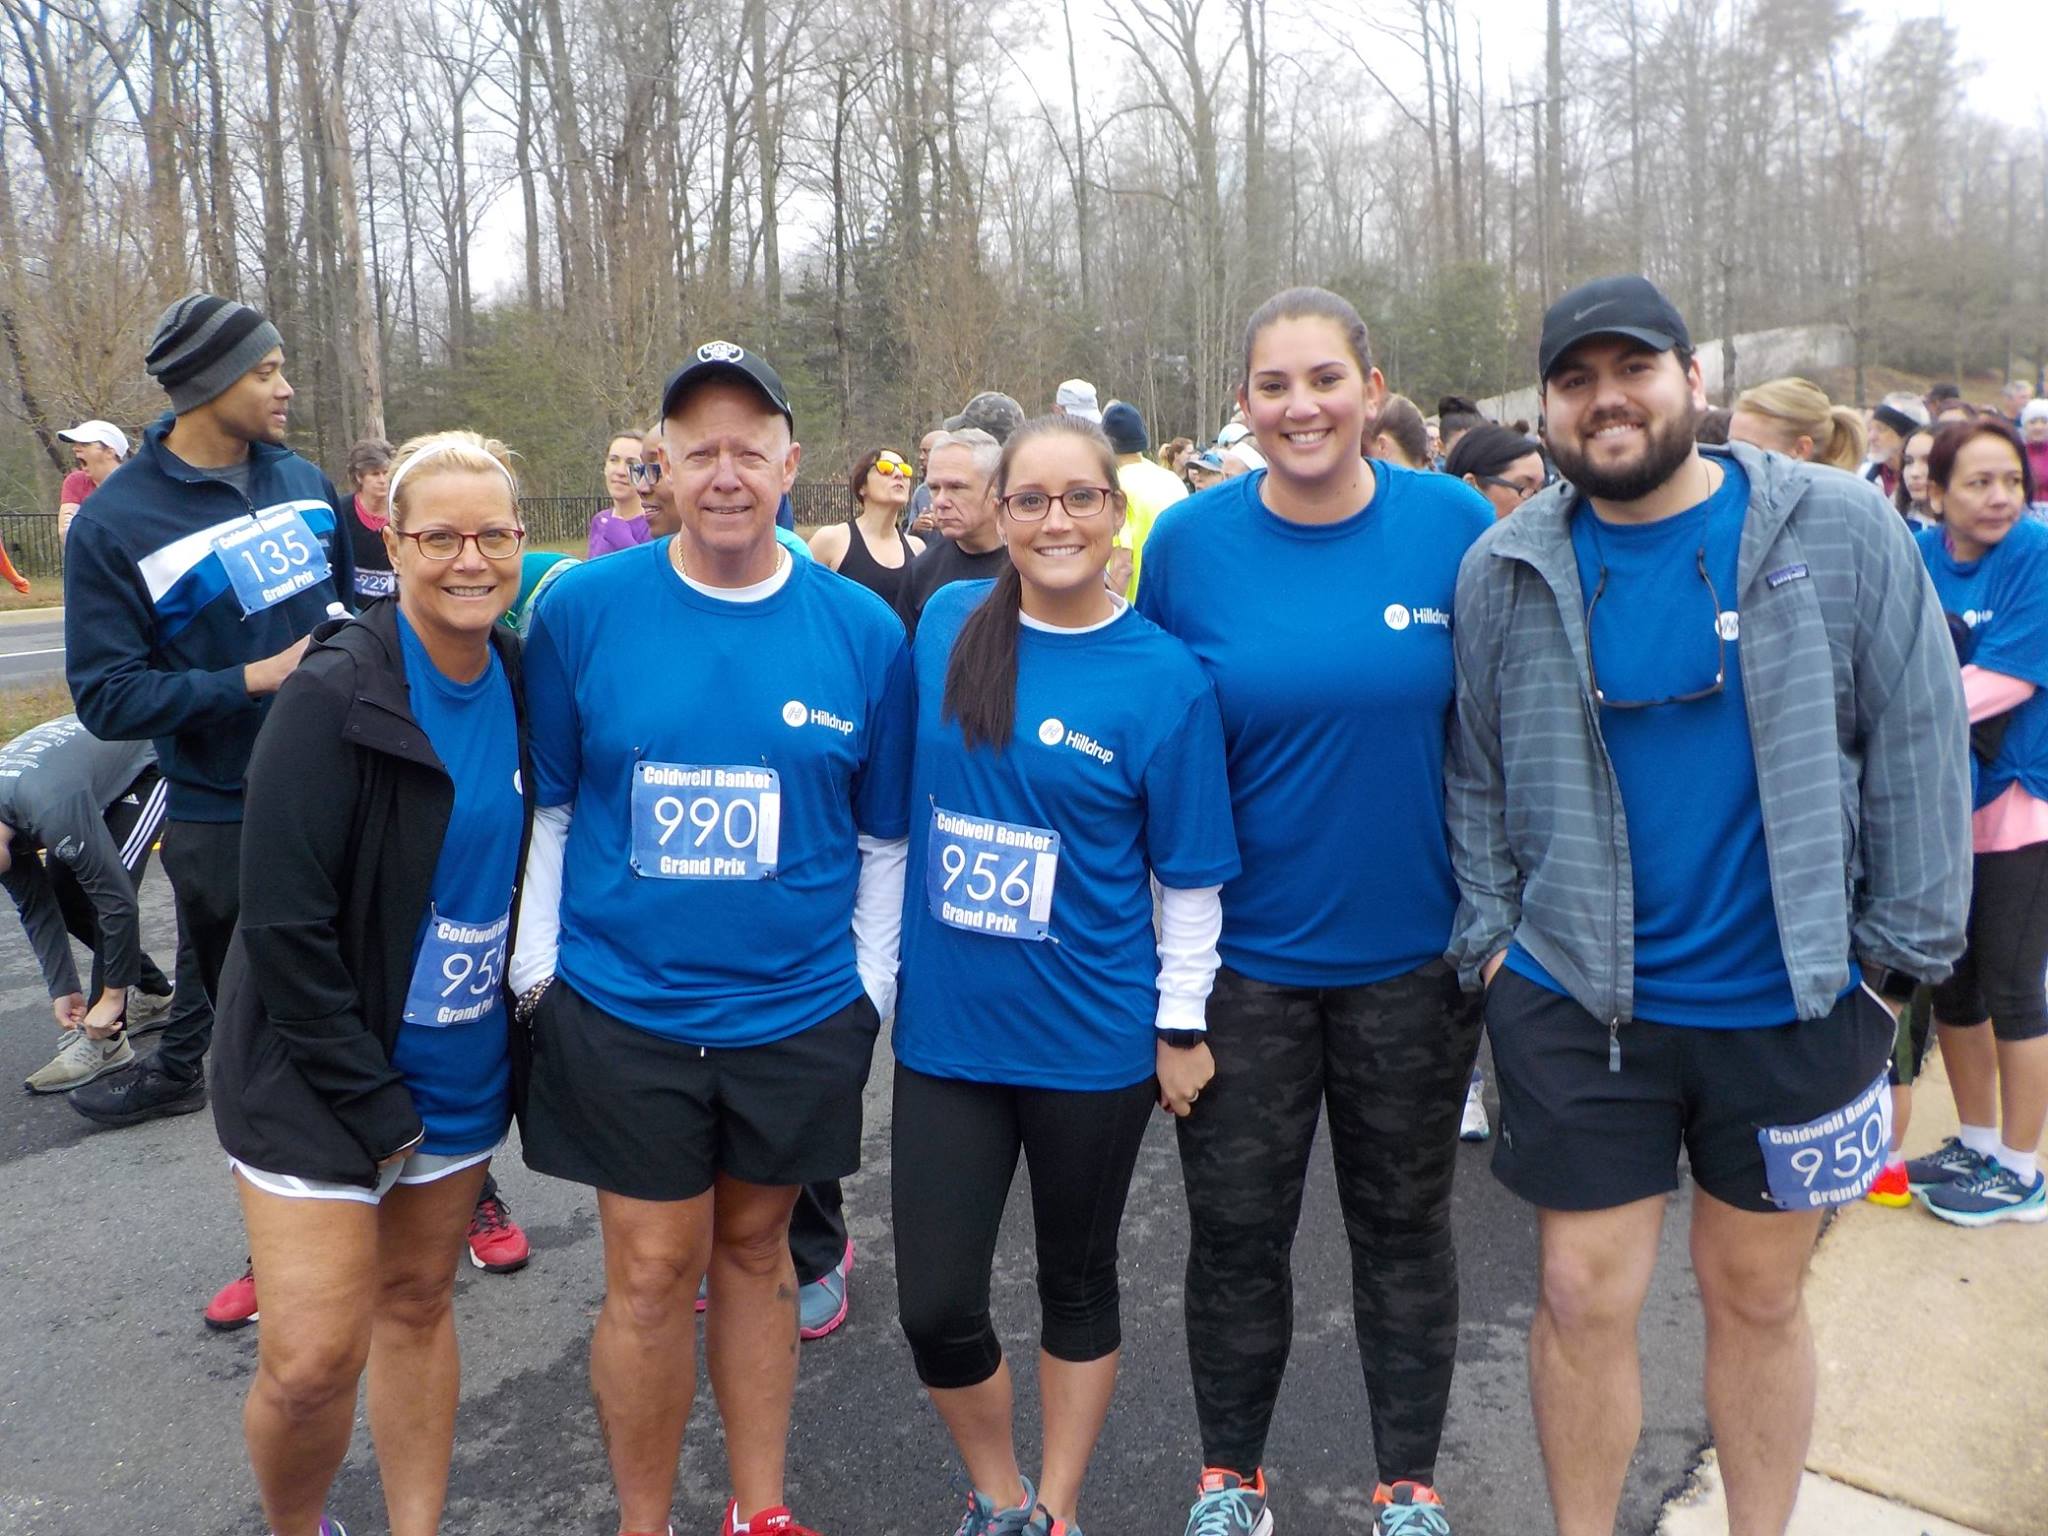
(1707, 951)
(1999, 602)
(1115, 773)
(720, 759)
(452, 1046)
(1330, 649)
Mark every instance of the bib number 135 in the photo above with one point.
(692, 822)
(272, 558)
(991, 877)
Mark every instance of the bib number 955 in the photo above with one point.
(693, 822)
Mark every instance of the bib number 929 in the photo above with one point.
(693, 822)
(992, 877)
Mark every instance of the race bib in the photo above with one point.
(1833, 1159)
(272, 558)
(460, 969)
(990, 876)
(696, 823)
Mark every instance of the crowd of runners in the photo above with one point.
(1699, 759)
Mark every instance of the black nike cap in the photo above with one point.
(716, 358)
(1610, 306)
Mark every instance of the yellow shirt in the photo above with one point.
(1149, 489)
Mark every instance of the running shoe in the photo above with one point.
(984, 1519)
(1043, 1524)
(81, 1060)
(768, 1522)
(147, 1011)
(496, 1244)
(329, 1526)
(1892, 1188)
(1475, 1126)
(234, 1304)
(1227, 1505)
(821, 1305)
(1949, 1163)
(1408, 1509)
(703, 1293)
(1995, 1195)
(137, 1093)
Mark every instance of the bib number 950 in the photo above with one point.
(1833, 1158)
(693, 822)
(992, 877)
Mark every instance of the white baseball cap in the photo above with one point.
(97, 431)
(1077, 398)
(2034, 410)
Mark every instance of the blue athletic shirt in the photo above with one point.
(1330, 649)
(1707, 951)
(756, 740)
(2001, 600)
(1118, 751)
(460, 1072)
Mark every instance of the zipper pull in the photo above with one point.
(1613, 1045)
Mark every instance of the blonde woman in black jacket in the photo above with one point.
(363, 1061)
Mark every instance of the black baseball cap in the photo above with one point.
(1610, 306)
(717, 358)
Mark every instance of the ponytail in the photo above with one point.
(1844, 447)
(981, 677)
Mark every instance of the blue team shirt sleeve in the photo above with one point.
(553, 727)
(881, 795)
(2015, 642)
(1190, 841)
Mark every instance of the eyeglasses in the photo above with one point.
(1522, 492)
(645, 476)
(889, 464)
(1720, 646)
(443, 544)
(1080, 501)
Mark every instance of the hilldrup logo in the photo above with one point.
(1053, 732)
(797, 713)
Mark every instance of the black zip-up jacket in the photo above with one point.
(347, 808)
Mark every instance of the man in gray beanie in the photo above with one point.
(192, 581)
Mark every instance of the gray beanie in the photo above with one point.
(203, 344)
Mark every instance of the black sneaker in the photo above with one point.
(138, 1093)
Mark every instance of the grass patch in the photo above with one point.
(43, 592)
(30, 704)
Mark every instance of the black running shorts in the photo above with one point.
(641, 1115)
(1575, 1136)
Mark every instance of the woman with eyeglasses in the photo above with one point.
(867, 547)
(1068, 755)
(1503, 466)
(623, 524)
(1317, 596)
(363, 1060)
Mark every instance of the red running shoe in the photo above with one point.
(769, 1522)
(1892, 1188)
(496, 1245)
(234, 1304)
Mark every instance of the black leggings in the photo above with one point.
(2000, 974)
(953, 1154)
(1391, 1060)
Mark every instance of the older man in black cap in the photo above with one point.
(707, 945)
(192, 580)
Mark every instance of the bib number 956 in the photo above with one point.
(992, 877)
(693, 822)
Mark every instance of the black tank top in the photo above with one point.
(859, 564)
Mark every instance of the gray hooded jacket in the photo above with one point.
(1856, 719)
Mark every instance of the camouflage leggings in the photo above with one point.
(1391, 1059)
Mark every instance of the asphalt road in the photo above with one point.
(32, 649)
(119, 1411)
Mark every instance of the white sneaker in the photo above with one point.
(1475, 1126)
(80, 1061)
(147, 1010)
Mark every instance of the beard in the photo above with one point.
(1667, 445)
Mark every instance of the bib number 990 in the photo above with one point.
(692, 822)
(991, 877)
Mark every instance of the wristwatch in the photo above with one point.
(524, 1005)
(1183, 1039)
(1889, 983)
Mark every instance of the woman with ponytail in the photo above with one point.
(363, 1058)
(1069, 754)
(1794, 417)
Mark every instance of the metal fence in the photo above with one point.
(31, 540)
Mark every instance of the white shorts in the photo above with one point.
(418, 1168)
